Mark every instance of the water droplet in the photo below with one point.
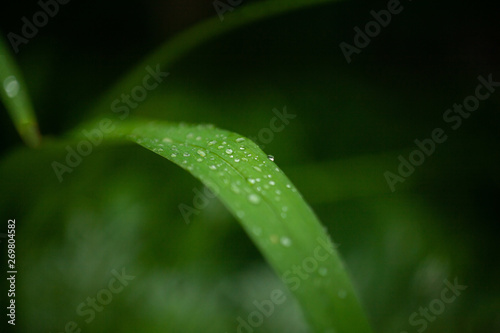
(323, 271)
(198, 138)
(160, 150)
(284, 208)
(213, 167)
(220, 147)
(251, 180)
(11, 86)
(283, 215)
(342, 293)
(229, 151)
(236, 160)
(242, 148)
(186, 154)
(168, 140)
(174, 155)
(271, 158)
(257, 168)
(201, 153)
(254, 198)
(257, 231)
(272, 183)
(199, 160)
(211, 143)
(235, 188)
(285, 241)
(240, 140)
(190, 135)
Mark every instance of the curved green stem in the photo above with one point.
(183, 43)
(16, 98)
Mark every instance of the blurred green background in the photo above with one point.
(120, 208)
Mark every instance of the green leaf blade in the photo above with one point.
(270, 209)
(16, 99)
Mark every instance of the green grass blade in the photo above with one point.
(16, 99)
(174, 49)
(270, 209)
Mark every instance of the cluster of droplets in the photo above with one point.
(221, 155)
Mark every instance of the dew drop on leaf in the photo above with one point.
(229, 151)
(235, 188)
(254, 198)
(285, 241)
(257, 231)
(11, 86)
(240, 140)
(271, 158)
